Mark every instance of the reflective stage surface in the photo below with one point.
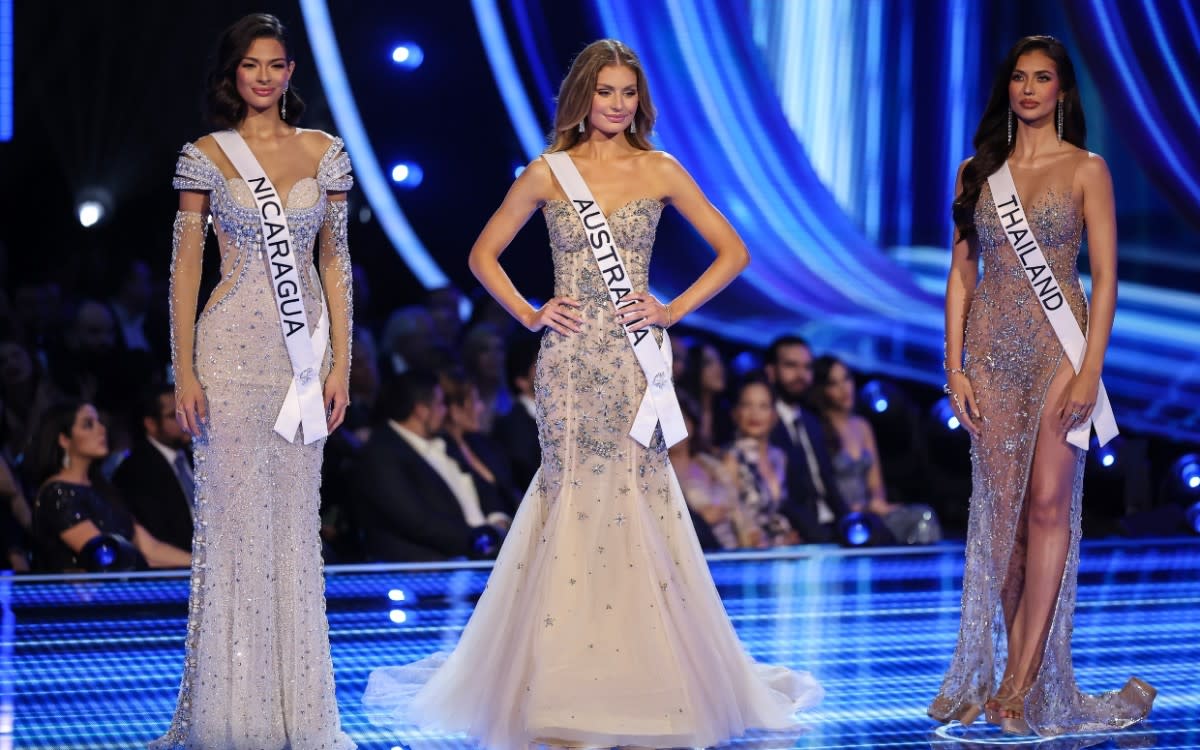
(95, 664)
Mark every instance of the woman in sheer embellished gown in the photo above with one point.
(1017, 394)
(257, 671)
(600, 624)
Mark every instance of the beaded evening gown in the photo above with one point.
(600, 624)
(257, 669)
(1011, 354)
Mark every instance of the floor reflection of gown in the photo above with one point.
(600, 624)
(257, 671)
(1011, 355)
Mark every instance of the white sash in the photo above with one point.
(304, 402)
(659, 403)
(1048, 292)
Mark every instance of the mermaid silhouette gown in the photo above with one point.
(600, 624)
(1011, 356)
(257, 670)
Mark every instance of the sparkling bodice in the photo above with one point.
(238, 337)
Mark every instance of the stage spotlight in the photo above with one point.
(408, 56)
(1187, 473)
(407, 174)
(92, 207)
(1106, 455)
(396, 595)
(397, 616)
(874, 396)
(861, 530)
(943, 413)
(518, 170)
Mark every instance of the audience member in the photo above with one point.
(855, 455)
(680, 345)
(156, 480)
(76, 526)
(16, 522)
(814, 503)
(364, 384)
(410, 343)
(761, 469)
(25, 392)
(704, 379)
(517, 432)
(483, 359)
(709, 485)
(445, 303)
(417, 503)
(471, 448)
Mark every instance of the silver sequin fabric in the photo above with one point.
(1011, 354)
(257, 669)
(600, 625)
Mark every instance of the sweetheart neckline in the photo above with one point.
(287, 202)
(618, 209)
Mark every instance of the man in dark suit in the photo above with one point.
(814, 505)
(417, 503)
(516, 432)
(156, 480)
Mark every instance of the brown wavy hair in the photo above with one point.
(991, 137)
(575, 95)
(225, 106)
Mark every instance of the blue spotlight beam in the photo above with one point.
(367, 169)
(508, 80)
(6, 70)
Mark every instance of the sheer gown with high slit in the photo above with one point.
(600, 624)
(1011, 358)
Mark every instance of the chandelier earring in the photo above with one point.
(1010, 126)
(582, 127)
(1060, 120)
(283, 104)
(66, 462)
(633, 126)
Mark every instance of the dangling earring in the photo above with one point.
(632, 127)
(1060, 119)
(283, 105)
(1010, 126)
(582, 128)
(66, 462)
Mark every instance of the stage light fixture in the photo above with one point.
(861, 530)
(1187, 472)
(407, 174)
(93, 206)
(408, 55)
(873, 395)
(943, 413)
(398, 616)
(396, 595)
(518, 170)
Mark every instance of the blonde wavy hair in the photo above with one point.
(575, 95)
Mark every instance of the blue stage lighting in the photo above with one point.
(520, 168)
(398, 616)
(407, 174)
(1188, 471)
(408, 55)
(856, 530)
(1193, 517)
(1107, 459)
(396, 595)
(943, 412)
(873, 394)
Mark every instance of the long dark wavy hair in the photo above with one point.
(46, 455)
(991, 137)
(224, 105)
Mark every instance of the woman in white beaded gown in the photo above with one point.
(257, 671)
(600, 625)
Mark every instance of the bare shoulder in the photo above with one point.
(861, 426)
(663, 164)
(1091, 166)
(537, 181)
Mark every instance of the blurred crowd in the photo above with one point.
(440, 442)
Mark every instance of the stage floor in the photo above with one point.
(92, 665)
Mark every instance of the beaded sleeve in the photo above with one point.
(187, 251)
(338, 280)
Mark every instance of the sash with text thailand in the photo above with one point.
(304, 402)
(1049, 294)
(659, 403)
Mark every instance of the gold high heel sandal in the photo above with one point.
(1012, 715)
